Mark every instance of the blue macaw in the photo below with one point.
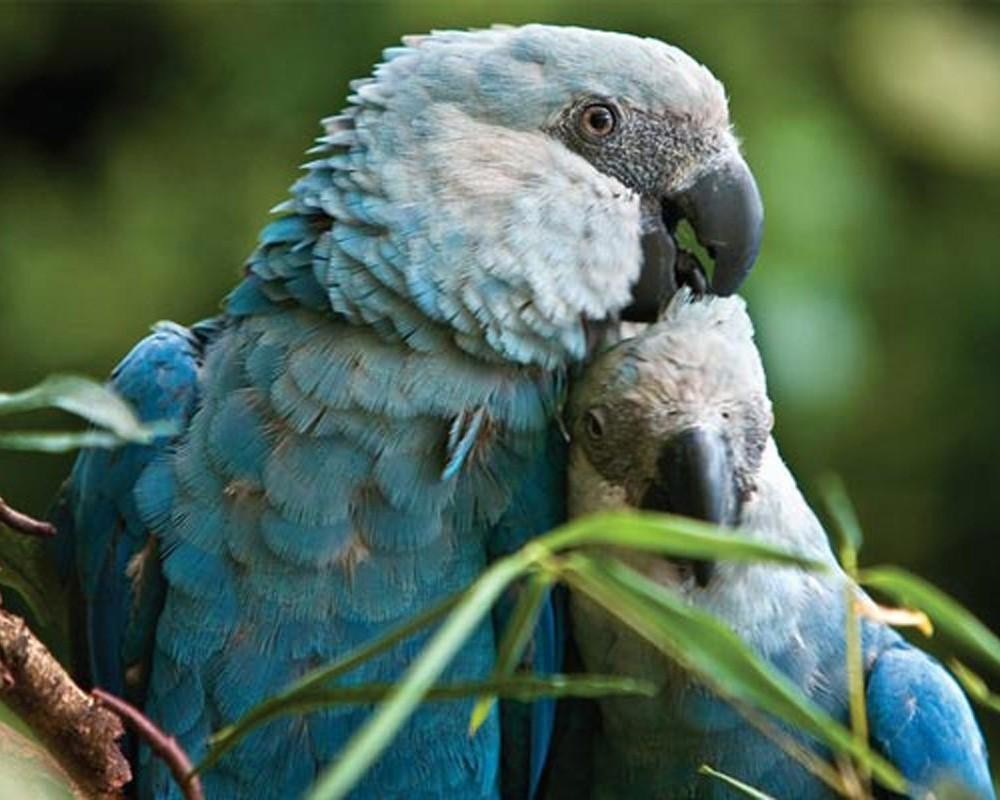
(678, 419)
(371, 418)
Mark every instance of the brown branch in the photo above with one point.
(163, 745)
(79, 734)
(19, 521)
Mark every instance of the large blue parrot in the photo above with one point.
(677, 419)
(370, 419)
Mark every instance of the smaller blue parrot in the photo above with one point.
(677, 419)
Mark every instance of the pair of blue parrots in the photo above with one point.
(373, 418)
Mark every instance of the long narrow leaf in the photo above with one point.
(378, 731)
(524, 688)
(670, 535)
(718, 656)
(947, 614)
(975, 686)
(842, 513)
(738, 785)
(80, 396)
(58, 442)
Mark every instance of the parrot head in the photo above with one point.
(674, 420)
(533, 178)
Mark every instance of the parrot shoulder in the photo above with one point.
(921, 721)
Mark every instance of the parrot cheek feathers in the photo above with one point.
(517, 233)
(589, 491)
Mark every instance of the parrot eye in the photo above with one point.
(597, 121)
(594, 423)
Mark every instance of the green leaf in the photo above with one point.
(842, 512)
(738, 785)
(83, 397)
(58, 442)
(947, 614)
(519, 630)
(705, 646)
(522, 687)
(975, 686)
(381, 727)
(86, 398)
(667, 534)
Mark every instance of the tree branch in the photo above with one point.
(80, 735)
(19, 521)
(165, 747)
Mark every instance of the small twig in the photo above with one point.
(79, 734)
(163, 745)
(19, 521)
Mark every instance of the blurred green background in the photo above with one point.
(141, 146)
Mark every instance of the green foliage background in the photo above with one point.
(140, 147)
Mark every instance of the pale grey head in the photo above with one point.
(676, 419)
(536, 175)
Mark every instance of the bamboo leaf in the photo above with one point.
(718, 656)
(975, 686)
(842, 513)
(58, 442)
(667, 534)
(81, 396)
(521, 687)
(738, 785)
(947, 614)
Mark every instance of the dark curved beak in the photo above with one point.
(695, 478)
(724, 208)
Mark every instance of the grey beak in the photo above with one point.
(694, 478)
(725, 210)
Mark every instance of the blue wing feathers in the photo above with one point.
(100, 530)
